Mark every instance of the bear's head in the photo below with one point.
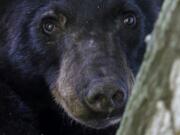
(87, 51)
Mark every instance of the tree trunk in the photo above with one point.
(154, 107)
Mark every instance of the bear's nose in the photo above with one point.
(106, 98)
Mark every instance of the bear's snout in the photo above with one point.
(94, 81)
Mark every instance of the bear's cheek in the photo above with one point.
(65, 96)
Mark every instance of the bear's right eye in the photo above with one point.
(49, 26)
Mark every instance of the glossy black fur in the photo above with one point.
(30, 61)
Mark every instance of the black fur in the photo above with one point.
(94, 45)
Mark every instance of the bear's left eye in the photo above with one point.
(49, 26)
(130, 19)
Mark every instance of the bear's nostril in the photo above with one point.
(97, 102)
(118, 99)
(100, 98)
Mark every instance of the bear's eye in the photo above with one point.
(130, 19)
(49, 26)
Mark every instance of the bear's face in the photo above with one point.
(88, 52)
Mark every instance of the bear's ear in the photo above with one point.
(159, 2)
(150, 8)
(150, 4)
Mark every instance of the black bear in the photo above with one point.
(70, 60)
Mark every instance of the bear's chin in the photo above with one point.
(100, 124)
(82, 114)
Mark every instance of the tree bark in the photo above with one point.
(154, 107)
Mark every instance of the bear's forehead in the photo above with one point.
(81, 5)
(80, 8)
(89, 3)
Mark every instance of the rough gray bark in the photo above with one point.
(154, 107)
